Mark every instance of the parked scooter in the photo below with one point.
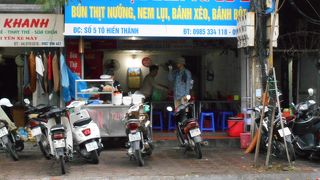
(86, 133)
(188, 132)
(38, 126)
(277, 143)
(306, 128)
(138, 130)
(8, 140)
(59, 136)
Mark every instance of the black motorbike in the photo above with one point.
(9, 140)
(277, 144)
(188, 132)
(38, 125)
(306, 128)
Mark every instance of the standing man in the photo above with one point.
(182, 81)
(149, 83)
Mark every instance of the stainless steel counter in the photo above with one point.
(108, 118)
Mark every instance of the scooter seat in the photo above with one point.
(185, 122)
(40, 119)
(82, 122)
(57, 127)
(313, 120)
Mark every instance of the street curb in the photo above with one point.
(233, 143)
(271, 176)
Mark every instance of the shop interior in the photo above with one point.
(215, 68)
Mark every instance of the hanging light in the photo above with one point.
(81, 45)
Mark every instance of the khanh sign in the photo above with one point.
(154, 18)
(31, 30)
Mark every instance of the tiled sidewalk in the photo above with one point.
(167, 162)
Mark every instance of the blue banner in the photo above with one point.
(156, 18)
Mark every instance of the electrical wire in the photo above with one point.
(313, 8)
(281, 5)
(312, 20)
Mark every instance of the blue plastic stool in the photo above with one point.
(171, 124)
(203, 115)
(223, 119)
(160, 126)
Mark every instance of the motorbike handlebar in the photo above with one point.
(53, 113)
(33, 109)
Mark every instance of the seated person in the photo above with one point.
(3, 114)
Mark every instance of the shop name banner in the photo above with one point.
(154, 18)
(31, 30)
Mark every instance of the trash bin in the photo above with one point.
(245, 140)
(235, 126)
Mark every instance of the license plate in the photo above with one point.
(134, 137)
(59, 143)
(36, 131)
(286, 131)
(3, 131)
(92, 146)
(195, 132)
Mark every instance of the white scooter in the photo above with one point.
(86, 133)
(59, 135)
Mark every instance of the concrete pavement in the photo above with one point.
(167, 162)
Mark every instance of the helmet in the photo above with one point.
(180, 60)
(5, 102)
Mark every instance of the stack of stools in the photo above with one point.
(223, 117)
(204, 116)
(159, 125)
(171, 123)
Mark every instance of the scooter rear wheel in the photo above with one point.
(44, 146)
(63, 165)
(281, 151)
(139, 157)
(94, 157)
(197, 149)
(12, 150)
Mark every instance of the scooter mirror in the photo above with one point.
(169, 108)
(188, 97)
(310, 91)
(27, 101)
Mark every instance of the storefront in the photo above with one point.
(128, 36)
(20, 36)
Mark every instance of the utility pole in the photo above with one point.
(275, 14)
